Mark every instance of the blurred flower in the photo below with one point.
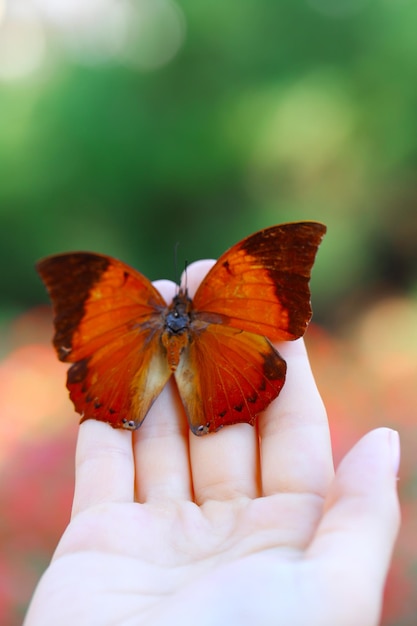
(35, 499)
(33, 398)
(387, 338)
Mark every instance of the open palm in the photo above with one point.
(246, 526)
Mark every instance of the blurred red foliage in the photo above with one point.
(367, 379)
(37, 443)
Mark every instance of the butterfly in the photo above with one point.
(125, 341)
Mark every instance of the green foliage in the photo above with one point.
(269, 111)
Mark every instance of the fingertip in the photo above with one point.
(366, 480)
(167, 289)
(195, 273)
(357, 533)
(362, 511)
(374, 457)
(395, 446)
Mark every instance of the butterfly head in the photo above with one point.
(178, 318)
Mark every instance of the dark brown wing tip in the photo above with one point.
(58, 264)
(304, 230)
(68, 279)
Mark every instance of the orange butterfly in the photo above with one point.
(125, 342)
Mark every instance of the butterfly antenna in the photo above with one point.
(177, 274)
(185, 277)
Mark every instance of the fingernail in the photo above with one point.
(394, 440)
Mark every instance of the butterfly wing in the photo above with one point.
(261, 284)
(226, 376)
(108, 321)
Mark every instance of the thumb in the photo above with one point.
(361, 520)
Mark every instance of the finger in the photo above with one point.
(224, 464)
(356, 536)
(296, 455)
(104, 470)
(161, 444)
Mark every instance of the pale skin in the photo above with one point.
(244, 526)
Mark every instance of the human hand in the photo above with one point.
(245, 526)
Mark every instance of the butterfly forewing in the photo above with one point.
(262, 283)
(108, 321)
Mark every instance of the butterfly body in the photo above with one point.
(177, 328)
(125, 341)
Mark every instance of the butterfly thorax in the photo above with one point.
(178, 319)
(175, 336)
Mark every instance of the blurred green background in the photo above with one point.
(128, 126)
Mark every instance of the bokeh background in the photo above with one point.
(127, 126)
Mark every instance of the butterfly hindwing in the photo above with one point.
(262, 283)
(120, 381)
(227, 376)
(108, 321)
